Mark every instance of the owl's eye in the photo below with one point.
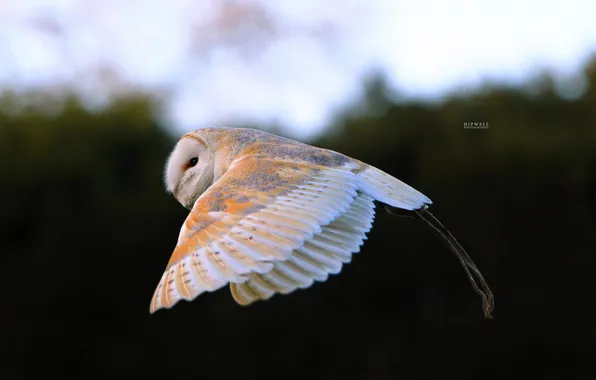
(193, 161)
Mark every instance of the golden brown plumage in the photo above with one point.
(268, 214)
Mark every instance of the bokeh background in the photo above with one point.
(95, 94)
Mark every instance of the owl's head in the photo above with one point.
(189, 169)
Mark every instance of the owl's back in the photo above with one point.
(253, 143)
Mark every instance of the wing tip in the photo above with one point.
(155, 307)
(159, 301)
(390, 190)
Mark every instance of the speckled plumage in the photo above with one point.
(267, 214)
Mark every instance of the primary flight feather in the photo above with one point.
(271, 215)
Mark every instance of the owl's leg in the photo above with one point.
(439, 229)
(400, 212)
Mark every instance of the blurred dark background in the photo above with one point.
(87, 229)
(94, 95)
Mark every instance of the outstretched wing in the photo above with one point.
(319, 257)
(256, 214)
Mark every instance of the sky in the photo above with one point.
(286, 62)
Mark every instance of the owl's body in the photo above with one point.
(268, 214)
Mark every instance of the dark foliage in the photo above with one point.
(87, 229)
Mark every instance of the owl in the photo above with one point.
(270, 215)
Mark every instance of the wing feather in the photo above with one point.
(299, 275)
(390, 190)
(257, 214)
(323, 255)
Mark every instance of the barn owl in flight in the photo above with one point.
(271, 215)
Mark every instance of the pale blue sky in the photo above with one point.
(290, 61)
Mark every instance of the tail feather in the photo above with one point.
(389, 190)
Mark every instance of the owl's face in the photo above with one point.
(189, 170)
